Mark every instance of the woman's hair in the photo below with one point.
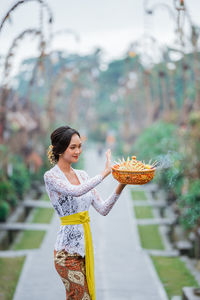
(60, 140)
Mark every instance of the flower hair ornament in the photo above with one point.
(51, 156)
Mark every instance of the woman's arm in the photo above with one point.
(120, 188)
(107, 169)
(104, 207)
(58, 184)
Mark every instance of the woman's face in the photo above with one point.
(74, 150)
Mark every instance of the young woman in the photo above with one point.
(71, 192)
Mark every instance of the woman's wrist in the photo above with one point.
(120, 188)
(105, 173)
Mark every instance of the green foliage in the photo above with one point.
(4, 210)
(190, 204)
(171, 172)
(157, 140)
(20, 178)
(13, 187)
(10, 269)
(173, 274)
(6, 188)
(163, 143)
(13, 200)
(38, 176)
(7, 193)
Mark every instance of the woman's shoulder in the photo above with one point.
(49, 172)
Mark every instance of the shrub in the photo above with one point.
(6, 189)
(190, 205)
(4, 210)
(157, 140)
(20, 178)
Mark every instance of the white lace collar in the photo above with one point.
(63, 175)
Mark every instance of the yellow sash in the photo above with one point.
(83, 218)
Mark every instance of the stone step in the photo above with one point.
(155, 252)
(188, 293)
(184, 244)
(157, 221)
(152, 187)
(23, 226)
(37, 203)
(16, 253)
(149, 203)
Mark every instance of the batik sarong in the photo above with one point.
(71, 268)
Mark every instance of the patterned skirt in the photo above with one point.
(71, 268)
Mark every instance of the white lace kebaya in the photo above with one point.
(68, 199)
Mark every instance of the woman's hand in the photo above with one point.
(120, 188)
(108, 160)
(107, 169)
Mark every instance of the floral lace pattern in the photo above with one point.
(68, 199)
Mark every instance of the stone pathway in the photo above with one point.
(123, 270)
(39, 279)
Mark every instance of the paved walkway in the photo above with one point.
(124, 270)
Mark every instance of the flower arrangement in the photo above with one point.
(50, 155)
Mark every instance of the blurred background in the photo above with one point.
(125, 74)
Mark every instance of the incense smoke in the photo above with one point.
(169, 163)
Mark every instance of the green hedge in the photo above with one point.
(156, 141)
(177, 149)
(190, 204)
(13, 187)
(20, 178)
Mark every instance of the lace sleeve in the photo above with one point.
(55, 183)
(102, 207)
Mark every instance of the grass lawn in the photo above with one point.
(150, 237)
(143, 212)
(174, 274)
(32, 239)
(45, 197)
(138, 195)
(42, 215)
(10, 269)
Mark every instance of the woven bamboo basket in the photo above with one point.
(133, 177)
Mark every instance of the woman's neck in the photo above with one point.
(64, 166)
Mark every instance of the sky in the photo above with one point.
(110, 24)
